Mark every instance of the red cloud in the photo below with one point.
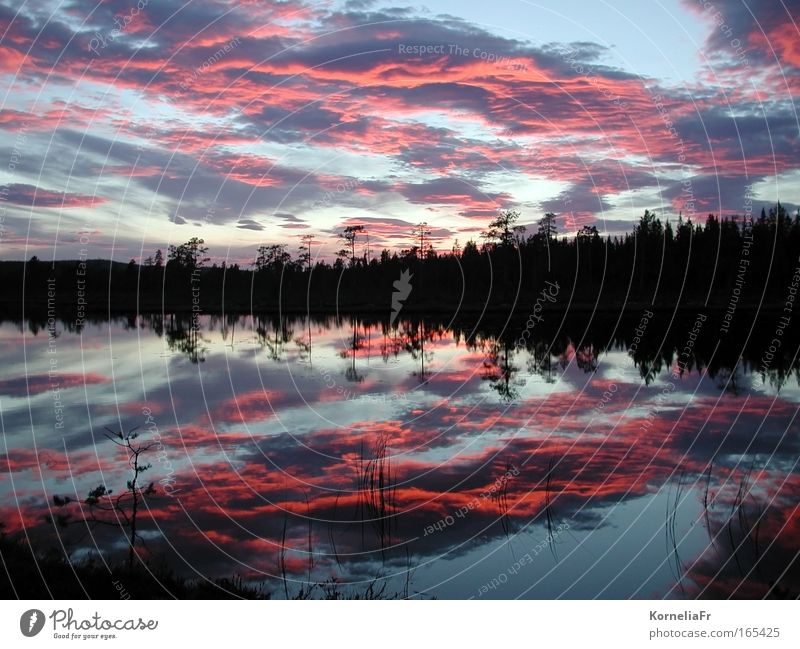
(31, 196)
(40, 383)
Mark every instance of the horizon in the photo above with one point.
(480, 241)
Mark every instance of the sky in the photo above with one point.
(128, 127)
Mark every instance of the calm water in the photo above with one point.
(453, 460)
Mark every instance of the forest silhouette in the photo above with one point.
(749, 262)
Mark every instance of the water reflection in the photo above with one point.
(452, 459)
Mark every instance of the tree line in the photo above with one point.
(659, 263)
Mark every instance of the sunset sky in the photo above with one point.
(257, 122)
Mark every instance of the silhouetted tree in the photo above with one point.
(547, 226)
(102, 507)
(190, 255)
(349, 235)
(503, 229)
(273, 257)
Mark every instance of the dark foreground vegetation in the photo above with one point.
(688, 264)
(30, 573)
(88, 566)
(44, 574)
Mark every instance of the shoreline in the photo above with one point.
(521, 308)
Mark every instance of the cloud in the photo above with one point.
(41, 383)
(32, 196)
(454, 191)
(314, 93)
(249, 224)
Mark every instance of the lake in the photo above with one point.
(646, 456)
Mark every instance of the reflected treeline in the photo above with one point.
(331, 495)
(508, 346)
